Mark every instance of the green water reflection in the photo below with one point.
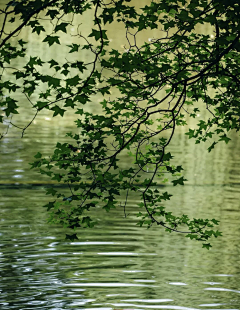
(117, 264)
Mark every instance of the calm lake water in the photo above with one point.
(116, 265)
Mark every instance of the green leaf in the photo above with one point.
(69, 103)
(104, 90)
(62, 27)
(51, 191)
(224, 138)
(217, 233)
(57, 177)
(190, 133)
(51, 40)
(212, 146)
(11, 106)
(21, 42)
(74, 47)
(179, 181)
(57, 110)
(78, 64)
(98, 34)
(179, 168)
(38, 29)
(38, 155)
(65, 72)
(49, 205)
(12, 20)
(166, 196)
(53, 63)
(167, 157)
(54, 82)
(192, 236)
(216, 222)
(73, 81)
(206, 245)
(52, 13)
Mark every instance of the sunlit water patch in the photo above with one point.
(116, 265)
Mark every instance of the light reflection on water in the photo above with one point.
(116, 265)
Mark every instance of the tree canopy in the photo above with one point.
(158, 84)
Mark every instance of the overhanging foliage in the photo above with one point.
(158, 84)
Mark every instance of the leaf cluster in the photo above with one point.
(181, 67)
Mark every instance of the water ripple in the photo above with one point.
(221, 289)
